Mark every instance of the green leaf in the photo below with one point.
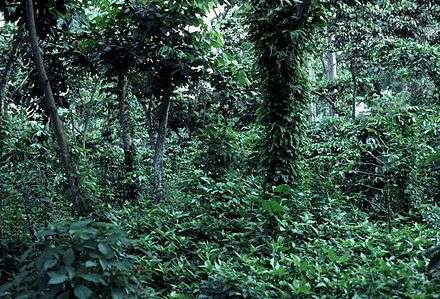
(70, 271)
(4, 288)
(273, 206)
(93, 278)
(82, 292)
(175, 295)
(283, 189)
(117, 294)
(52, 261)
(78, 225)
(57, 277)
(242, 78)
(91, 264)
(69, 257)
(104, 249)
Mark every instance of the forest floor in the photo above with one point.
(222, 243)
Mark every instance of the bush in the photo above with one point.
(221, 148)
(81, 260)
(380, 160)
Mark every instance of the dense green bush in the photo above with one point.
(83, 259)
(227, 242)
(220, 144)
(381, 159)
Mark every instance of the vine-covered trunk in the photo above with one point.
(160, 148)
(279, 37)
(130, 191)
(57, 124)
(283, 120)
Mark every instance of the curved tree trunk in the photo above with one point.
(130, 191)
(160, 148)
(79, 203)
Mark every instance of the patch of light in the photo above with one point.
(2, 20)
(362, 108)
(209, 17)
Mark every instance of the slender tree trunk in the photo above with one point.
(331, 64)
(4, 88)
(7, 73)
(149, 121)
(126, 136)
(312, 106)
(160, 148)
(355, 88)
(79, 203)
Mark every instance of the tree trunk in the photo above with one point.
(79, 203)
(130, 191)
(331, 64)
(281, 61)
(160, 148)
(4, 88)
(355, 89)
(149, 121)
(313, 110)
(7, 73)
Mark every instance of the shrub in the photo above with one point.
(81, 260)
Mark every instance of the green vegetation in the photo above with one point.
(219, 149)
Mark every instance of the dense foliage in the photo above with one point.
(219, 149)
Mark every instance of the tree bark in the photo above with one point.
(331, 73)
(4, 88)
(313, 110)
(126, 136)
(7, 73)
(355, 90)
(79, 203)
(160, 148)
(149, 121)
(281, 63)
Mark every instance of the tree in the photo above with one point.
(279, 33)
(172, 33)
(7, 73)
(330, 69)
(79, 203)
(121, 61)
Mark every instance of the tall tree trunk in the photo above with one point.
(355, 90)
(331, 65)
(7, 73)
(160, 147)
(127, 140)
(79, 203)
(313, 110)
(4, 88)
(149, 121)
(281, 60)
